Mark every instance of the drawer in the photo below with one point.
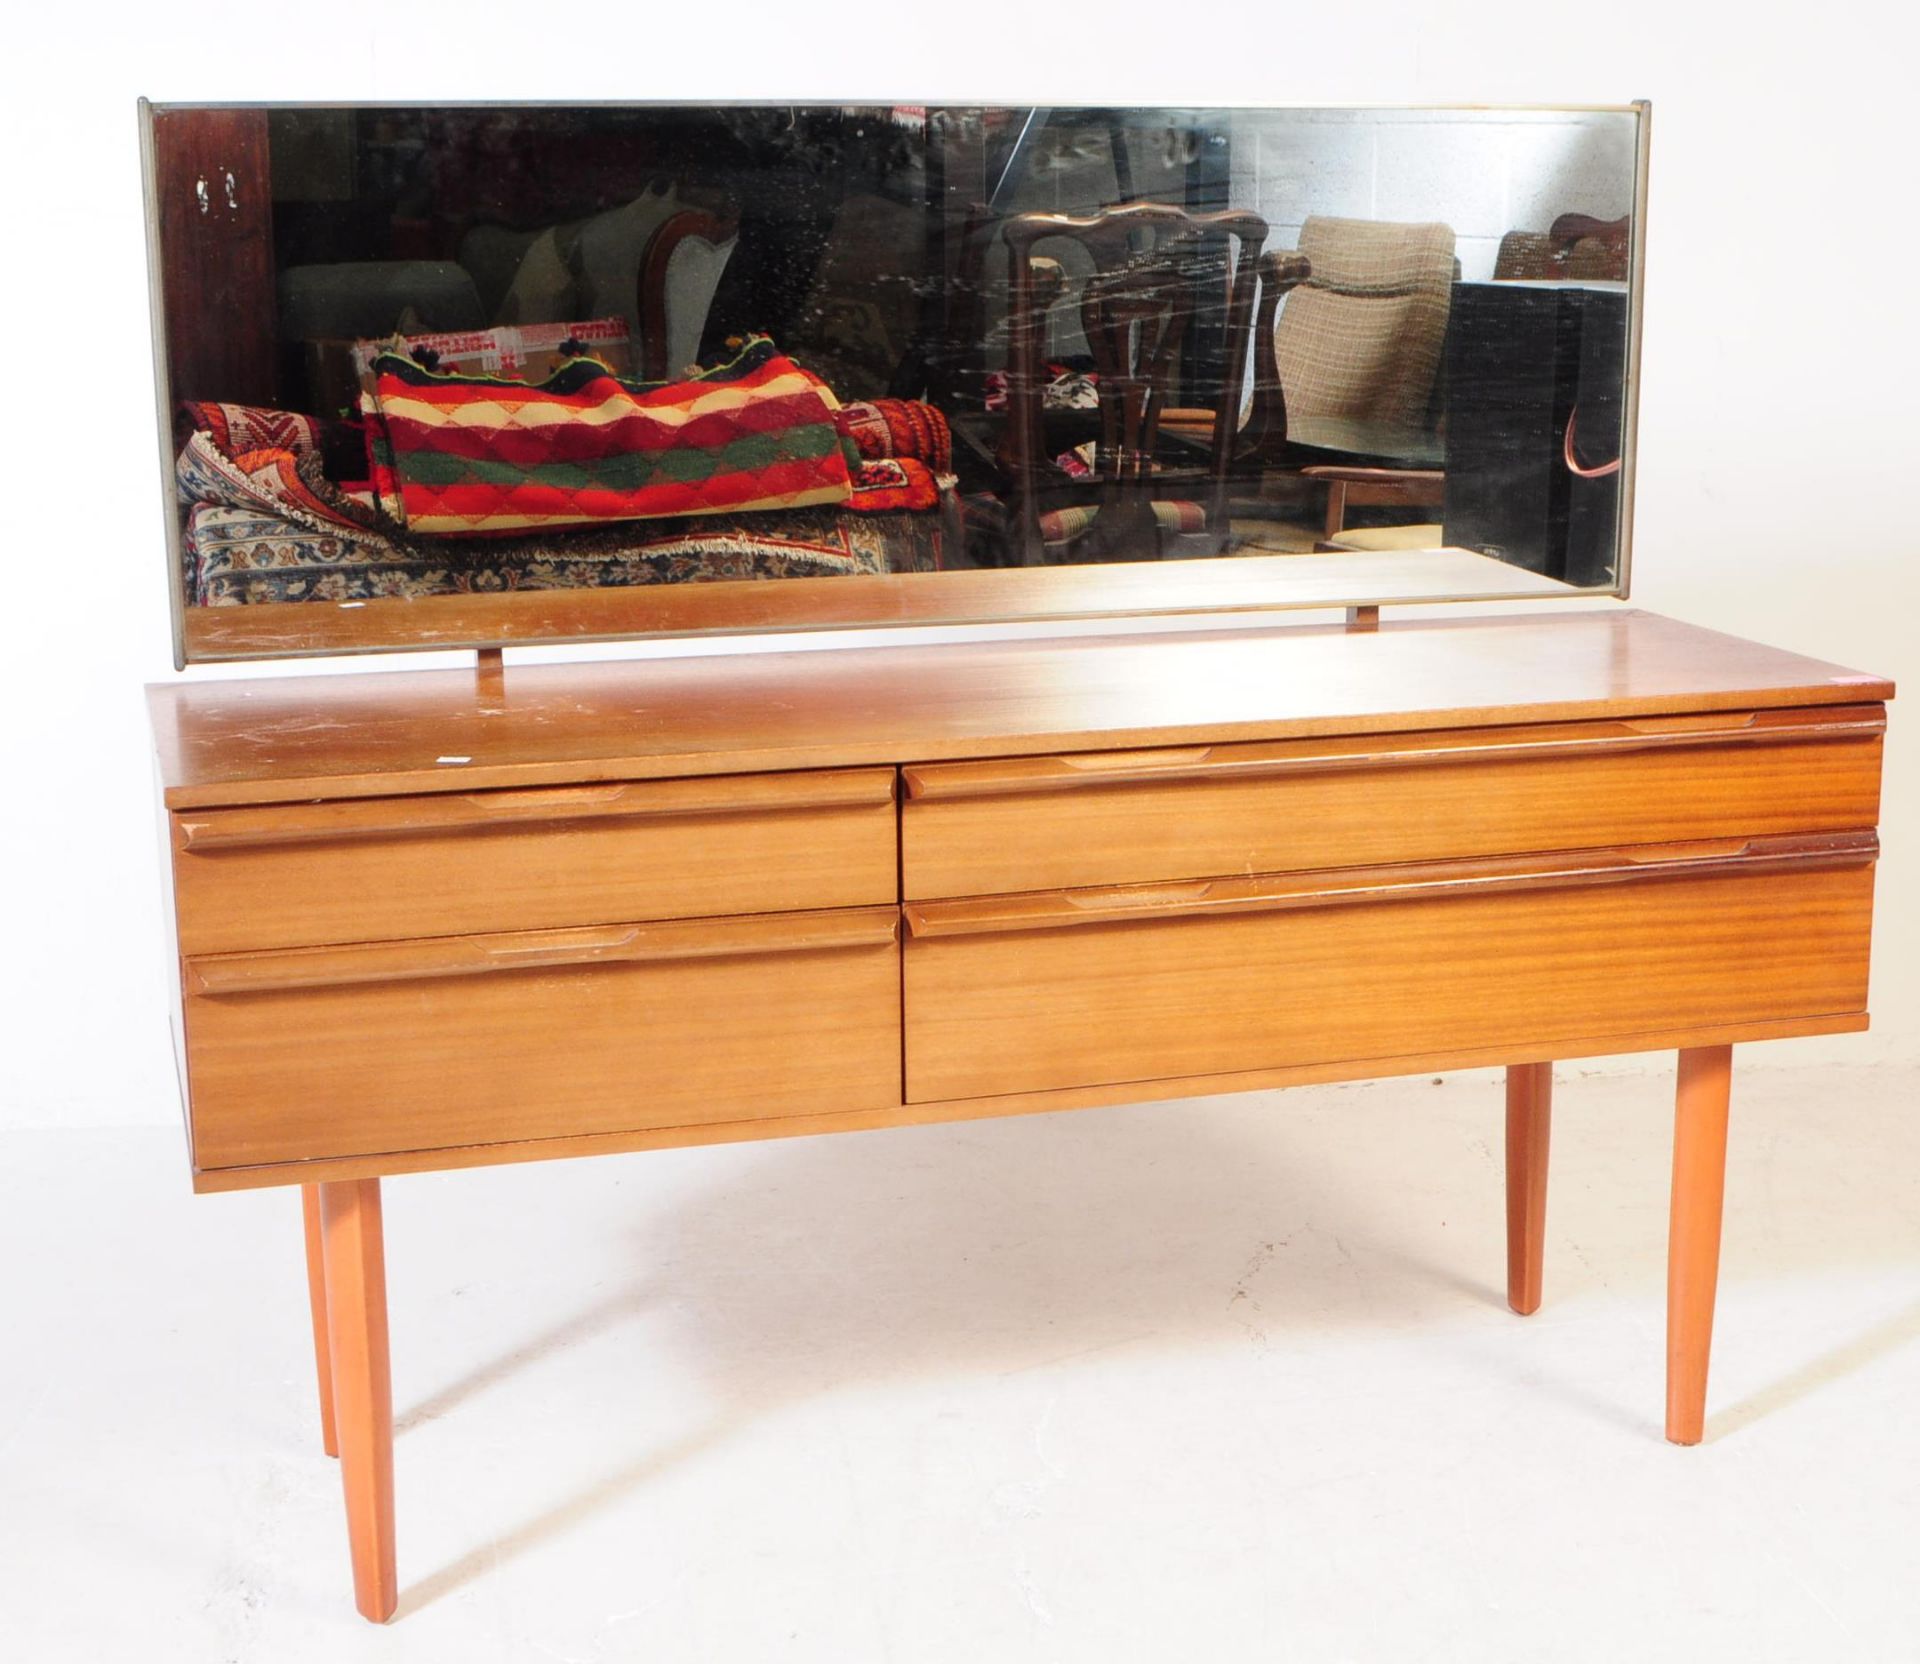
(1138, 983)
(297, 875)
(543, 1034)
(1120, 817)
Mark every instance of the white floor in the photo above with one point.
(1220, 1380)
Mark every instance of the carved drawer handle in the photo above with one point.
(1124, 897)
(1660, 855)
(426, 816)
(1373, 886)
(537, 802)
(1125, 762)
(562, 947)
(1007, 776)
(218, 975)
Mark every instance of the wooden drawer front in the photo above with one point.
(1031, 993)
(298, 875)
(474, 1040)
(1123, 817)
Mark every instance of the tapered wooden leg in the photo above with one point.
(362, 1387)
(1529, 1119)
(1693, 1235)
(317, 1302)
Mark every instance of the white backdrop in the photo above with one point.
(1777, 433)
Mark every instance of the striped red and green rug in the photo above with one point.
(466, 454)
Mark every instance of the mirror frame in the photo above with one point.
(1233, 584)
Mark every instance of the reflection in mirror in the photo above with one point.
(417, 353)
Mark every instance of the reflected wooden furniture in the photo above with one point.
(1345, 372)
(1135, 309)
(688, 227)
(1344, 376)
(1360, 335)
(1576, 248)
(1356, 487)
(421, 918)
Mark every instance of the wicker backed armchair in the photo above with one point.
(1359, 339)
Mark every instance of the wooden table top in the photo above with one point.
(283, 739)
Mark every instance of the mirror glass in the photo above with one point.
(472, 374)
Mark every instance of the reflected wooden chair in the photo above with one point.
(1350, 487)
(1576, 248)
(679, 273)
(1150, 261)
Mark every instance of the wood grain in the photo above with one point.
(1179, 996)
(437, 957)
(387, 733)
(739, 1018)
(1109, 590)
(295, 875)
(1124, 817)
(1693, 1235)
(1415, 881)
(1296, 759)
(317, 1310)
(213, 203)
(1529, 1129)
(399, 817)
(362, 1386)
(696, 1134)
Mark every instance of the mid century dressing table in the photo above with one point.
(436, 919)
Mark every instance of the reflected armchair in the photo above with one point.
(1345, 372)
(1350, 362)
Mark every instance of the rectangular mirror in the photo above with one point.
(474, 375)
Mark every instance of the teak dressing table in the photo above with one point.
(431, 920)
(439, 919)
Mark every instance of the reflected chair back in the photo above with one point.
(1152, 265)
(1360, 338)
